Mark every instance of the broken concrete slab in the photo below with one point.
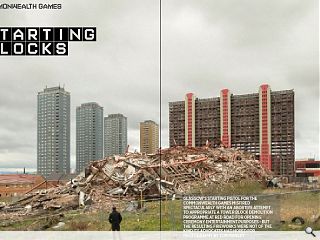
(171, 172)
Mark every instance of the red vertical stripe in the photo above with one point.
(225, 118)
(189, 130)
(265, 156)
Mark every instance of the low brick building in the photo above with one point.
(307, 168)
(12, 185)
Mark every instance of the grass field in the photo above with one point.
(167, 215)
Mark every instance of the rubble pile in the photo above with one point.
(135, 175)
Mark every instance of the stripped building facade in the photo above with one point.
(262, 123)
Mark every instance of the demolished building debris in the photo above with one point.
(171, 172)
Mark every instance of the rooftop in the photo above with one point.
(116, 115)
(53, 90)
(17, 178)
(90, 105)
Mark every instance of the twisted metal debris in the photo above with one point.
(170, 172)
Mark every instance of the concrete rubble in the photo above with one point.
(131, 176)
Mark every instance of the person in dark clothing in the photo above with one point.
(115, 219)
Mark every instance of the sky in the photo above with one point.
(207, 45)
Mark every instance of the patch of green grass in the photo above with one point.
(167, 215)
(171, 215)
(300, 204)
(244, 187)
(16, 225)
(147, 219)
(30, 224)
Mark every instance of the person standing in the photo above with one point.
(115, 219)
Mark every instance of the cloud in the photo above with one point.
(206, 46)
(120, 71)
(210, 45)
